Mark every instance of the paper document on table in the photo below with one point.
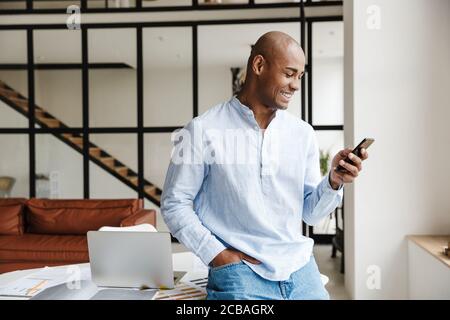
(35, 283)
(194, 289)
(24, 288)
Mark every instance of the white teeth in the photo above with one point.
(287, 95)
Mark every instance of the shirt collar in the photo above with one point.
(246, 111)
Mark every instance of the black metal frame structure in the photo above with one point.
(318, 238)
(306, 25)
(140, 7)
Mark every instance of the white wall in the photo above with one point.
(328, 91)
(113, 98)
(14, 151)
(167, 96)
(397, 81)
(105, 186)
(14, 147)
(58, 92)
(218, 81)
(54, 155)
(16, 79)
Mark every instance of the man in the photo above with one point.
(244, 218)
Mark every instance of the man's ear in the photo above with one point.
(258, 64)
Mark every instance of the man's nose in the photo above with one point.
(295, 85)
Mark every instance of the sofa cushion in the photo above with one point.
(77, 216)
(37, 247)
(11, 216)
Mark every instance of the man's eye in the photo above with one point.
(289, 75)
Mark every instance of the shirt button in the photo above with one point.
(256, 127)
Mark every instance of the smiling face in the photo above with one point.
(280, 76)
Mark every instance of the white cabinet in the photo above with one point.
(429, 268)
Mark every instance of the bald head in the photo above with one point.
(272, 45)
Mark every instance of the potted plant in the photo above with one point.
(324, 160)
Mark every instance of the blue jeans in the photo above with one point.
(237, 281)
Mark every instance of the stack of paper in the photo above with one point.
(47, 277)
(194, 289)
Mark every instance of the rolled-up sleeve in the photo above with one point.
(320, 199)
(185, 177)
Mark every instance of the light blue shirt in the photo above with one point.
(253, 199)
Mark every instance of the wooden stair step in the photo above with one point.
(95, 151)
(39, 113)
(133, 179)
(50, 122)
(20, 102)
(108, 161)
(123, 171)
(153, 191)
(8, 93)
(23, 104)
(17, 98)
(150, 189)
(76, 140)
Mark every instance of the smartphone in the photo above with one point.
(364, 144)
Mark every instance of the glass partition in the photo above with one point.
(168, 88)
(112, 78)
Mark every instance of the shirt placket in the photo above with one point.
(265, 169)
(262, 152)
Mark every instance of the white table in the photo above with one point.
(182, 261)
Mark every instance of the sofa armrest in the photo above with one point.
(140, 217)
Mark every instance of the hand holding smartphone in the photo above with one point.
(364, 144)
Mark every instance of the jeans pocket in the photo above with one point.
(226, 265)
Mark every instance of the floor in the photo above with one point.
(331, 268)
(327, 266)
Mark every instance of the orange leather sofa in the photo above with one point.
(42, 232)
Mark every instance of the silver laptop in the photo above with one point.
(131, 259)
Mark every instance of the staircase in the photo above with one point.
(96, 154)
